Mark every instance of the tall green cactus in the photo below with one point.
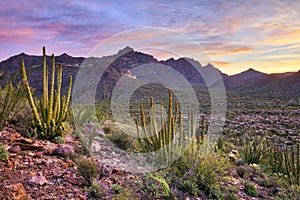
(51, 115)
(292, 164)
(171, 134)
(286, 160)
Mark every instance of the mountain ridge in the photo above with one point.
(129, 49)
(125, 59)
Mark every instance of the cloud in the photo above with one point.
(220, 63)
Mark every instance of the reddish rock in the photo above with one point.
(10, 163)
(64, 150)
(12, 136)
(25, 140)
(31, 147)
(39, 179)
(80, 196)
(38, 155)
(15, 191)
(73, 181)
(15, 149)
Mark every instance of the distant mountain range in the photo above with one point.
(250, 81)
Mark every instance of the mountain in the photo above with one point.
(243, 78)
(124, 61)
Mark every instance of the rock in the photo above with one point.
(39, 179)
(10, 163)
(64, 149)
(15, 191)
(73, 181)
(11, 136)
(31, 147)
(80, 196)
(68, 139)
(15, 149)
(276, 190)
(25, 140)
(38, 155)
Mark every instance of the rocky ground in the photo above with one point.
(38, 169)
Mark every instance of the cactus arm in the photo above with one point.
(50, 106)
(29, 94)
(45, 84)
(57, 96)
(298, 164)
(65, 110)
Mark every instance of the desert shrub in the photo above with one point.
(117, 188)
(87, 168)
(107, 129)
(96, 190)
(162, 184)
(241, 171)
(102, 109)
(231, 196)
(86, 126)
(126, 194)
(253, 150)
(189, 186)
(3, 153)
(154, 186)
(10, 97)
(215, 192)
(250, 189)
(59, 140)
(121, 140)
(267, 182)
(210, 169)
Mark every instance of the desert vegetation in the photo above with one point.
(256, 157)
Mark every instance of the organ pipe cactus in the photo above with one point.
(51, 114)
(169, 133)
(286, 160)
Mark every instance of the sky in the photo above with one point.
(236, 35)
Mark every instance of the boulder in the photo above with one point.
(64, 150)
(39, 179)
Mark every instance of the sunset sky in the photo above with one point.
(237, 35)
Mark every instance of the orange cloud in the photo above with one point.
(223, 50)
(221, 63)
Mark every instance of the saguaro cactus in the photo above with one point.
(53, 107)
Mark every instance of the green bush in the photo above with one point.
(154, 186)
(250, 189)
(126, 194)
(253, 150)
(87, 168)
(86, 127)
(189, 186)
(96, 190)
(121, 140)
(59, 140)
(231, 196)
(3, 153)
(214, 192)
(10, 97)
(117, 188)
(107, 130)
(210, 169)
